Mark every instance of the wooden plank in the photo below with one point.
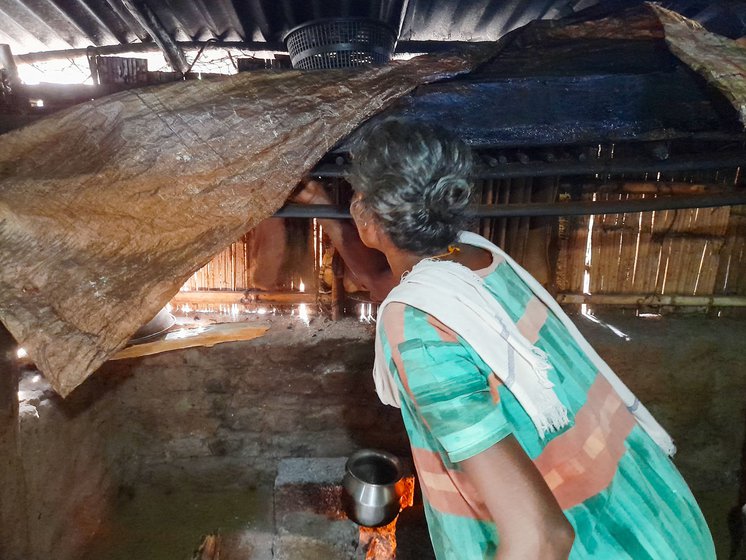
(708, 278)
(503, 198)
(703, 231)
(630, 233)
(561, 273)
(653, 300)
(683, 249)
(738, 268)
(578, 243)
(643, 256)
(230, 297)
(9, 376)
(240, 271)
(516, 196)
(614, 250)
(596, 269)
(650, 279)
(523, 223)
(189, 338)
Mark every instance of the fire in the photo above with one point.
(301, 286)
(380, 542)
(303, 313)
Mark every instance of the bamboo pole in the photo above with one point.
(647, 300)
(656, 187)
(711, 265)
(577, 244)
(230, 297)
(681, 250)
(504, 192)
(596, 269)
(525, 223)
(338, 290)
(628, 245)
(646, 255)
(9, 376)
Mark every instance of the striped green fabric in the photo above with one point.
(621, 493)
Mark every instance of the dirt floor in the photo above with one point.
(689, 370)
(691, 373)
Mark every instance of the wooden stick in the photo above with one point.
(9, 376)
(338, 290)
(653, 187)
(230, 297)
(647, 300)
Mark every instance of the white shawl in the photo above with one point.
(457, 297)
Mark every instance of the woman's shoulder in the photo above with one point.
(401, 322)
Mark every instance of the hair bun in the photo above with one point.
(447, 198)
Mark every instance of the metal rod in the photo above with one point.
(574, 208)
(588, 167)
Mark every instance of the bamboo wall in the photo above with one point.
(692, 252)
(244, 264)
(682, 252)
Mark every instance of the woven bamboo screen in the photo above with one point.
(670, 252)
(682, 252)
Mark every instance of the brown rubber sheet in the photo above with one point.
(108, 207)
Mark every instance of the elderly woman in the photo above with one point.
(525, 443)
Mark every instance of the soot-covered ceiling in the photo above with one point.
(48, 25)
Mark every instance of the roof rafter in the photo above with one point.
(150, 22)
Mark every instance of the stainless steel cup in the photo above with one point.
(371, 485)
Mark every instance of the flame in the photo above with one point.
(379, 543)
(303, 313)
(21, 353)
(301, 286)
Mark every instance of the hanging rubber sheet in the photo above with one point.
(108, 207)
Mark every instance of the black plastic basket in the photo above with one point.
(340, 43)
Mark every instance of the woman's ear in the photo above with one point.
(369, 232)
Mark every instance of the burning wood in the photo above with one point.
(379, 543)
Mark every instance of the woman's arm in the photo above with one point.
(529, 521)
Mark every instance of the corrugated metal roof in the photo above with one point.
(45, 25)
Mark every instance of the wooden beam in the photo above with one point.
(648, 300)
(108, 50)
(402, 47)
(229, 297)
(9, 375)
(14, 526)
(8, 64)
(150, 23)
(661, 187)
(338, 290)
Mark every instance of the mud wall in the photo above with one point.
(225, 416)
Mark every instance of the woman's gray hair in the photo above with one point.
(415, 180)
